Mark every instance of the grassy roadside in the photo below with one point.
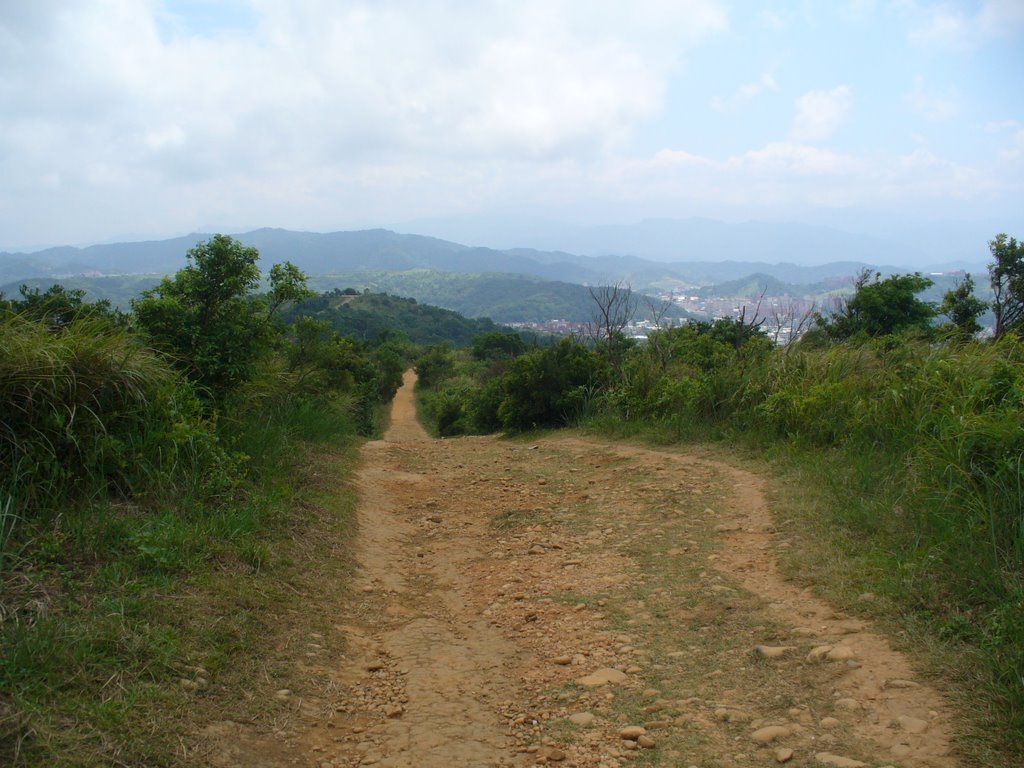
(827, 502)
(133, 630)
(876, 575)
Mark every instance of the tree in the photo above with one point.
(57, 306)
(1006, 274)
(549, 387)
(208, 317)
(614, 308)
(880, 307)
(287, 284)
(498, 345)
(963, 308)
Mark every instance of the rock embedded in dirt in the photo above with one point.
(912, 724)
(646, 742)
(900, 751)
(819, 652)
(838, 761)
(632, 732)
(772, 651)
(783, 755)
(727, 715)
(770, 733)
(581, 718)
(562, 661)
(829, 722)
(841, 653)
(603, 676)
(897, 683)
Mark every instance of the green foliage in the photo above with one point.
(963, 308)
(57, 306)
(1006, 274)
(549, 387)
(287, 284)
(118, 290)
(207, 316)
(376, 318)
(498, 345)
(927, 443)
(881, 307)
(118, 483)
(436, 364)
(88, 411)
(504, 298)
(686, 374)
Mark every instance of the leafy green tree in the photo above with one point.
(1007, 276)
(549, 387)
(436, 364)
(963, 308)
(208, 317)
(57, 306)
(881, 307)
(287, 284)
(498, 345)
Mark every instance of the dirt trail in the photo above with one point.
(522, 604)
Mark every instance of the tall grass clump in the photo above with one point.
(89, 410)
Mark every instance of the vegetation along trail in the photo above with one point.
(573, 602)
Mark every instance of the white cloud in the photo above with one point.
(796, 159)
(793, 175)
(932, 105)
(1015, 150)
(947, 27)
(313, 95)
(746, 93)
(820, 113)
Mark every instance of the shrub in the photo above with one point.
(88, 410)
(549, 387)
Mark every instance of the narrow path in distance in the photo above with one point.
(584, 603)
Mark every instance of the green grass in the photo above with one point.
(907, 461)
(107, 607)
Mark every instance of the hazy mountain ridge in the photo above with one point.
(380, 249)
(926, 245)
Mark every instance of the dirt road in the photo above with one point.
(580, 603)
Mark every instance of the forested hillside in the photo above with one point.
(373, 317)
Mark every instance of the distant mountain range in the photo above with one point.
(384, 250)
(909, 244)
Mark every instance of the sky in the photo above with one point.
(152, 118)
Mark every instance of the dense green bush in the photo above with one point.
(89, 411)
(550, 387)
